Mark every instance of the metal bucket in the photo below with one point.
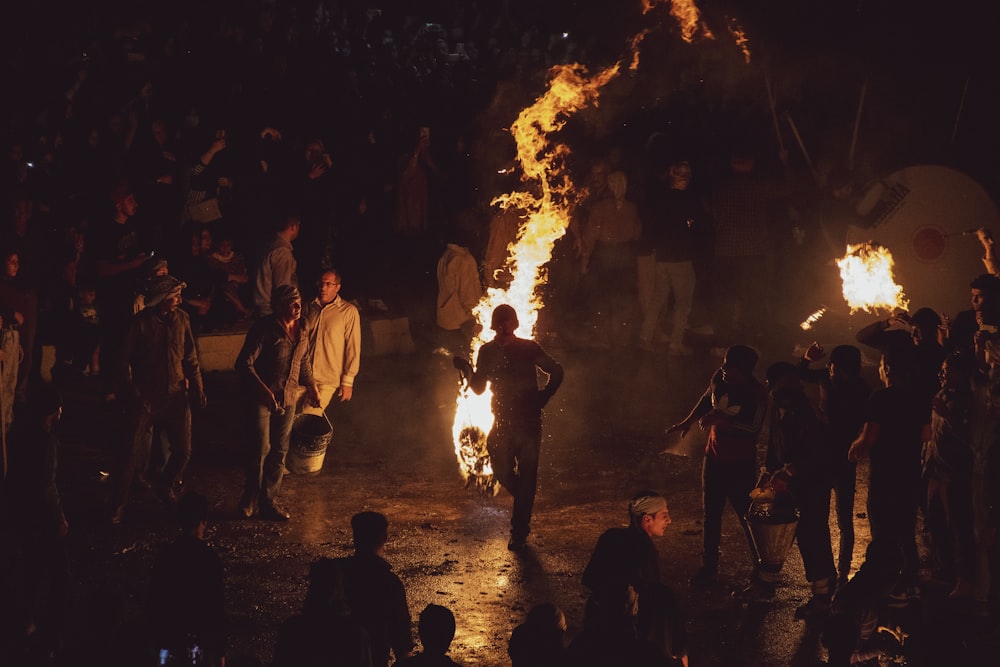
(772, 531)
(311, 435)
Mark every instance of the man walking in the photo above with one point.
(510, 365)
(273, 364)
(160, 367)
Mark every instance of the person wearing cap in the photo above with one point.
(273, 365)
(732, 410)
(625, 565)
(160, 376)
(510, 365)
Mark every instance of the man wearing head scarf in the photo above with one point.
(159, 367)
(625, 566)
(510, 365)
(273, 365)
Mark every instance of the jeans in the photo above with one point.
(676, 277)
(270, 434)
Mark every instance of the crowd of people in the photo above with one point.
(929, 433)
(170, 178)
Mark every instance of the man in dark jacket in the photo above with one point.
(159, 369)
(375, 594)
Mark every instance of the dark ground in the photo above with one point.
(393, 453)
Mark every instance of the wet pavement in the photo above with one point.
(392, 452)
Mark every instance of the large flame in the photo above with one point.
(547, 201)
(866, 271)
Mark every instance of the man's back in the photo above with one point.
(186, 596)
(378, 600)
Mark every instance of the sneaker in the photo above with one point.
(756, 591)
(516, 543)
(274, 512)
(248, 507)
(704, 577)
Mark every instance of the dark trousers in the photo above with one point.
(844, 488)
(813, 531)
(174, 417)
(513, 446)
(719, 482)
(892, 515)
(269, 436)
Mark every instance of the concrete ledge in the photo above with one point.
(218, 351)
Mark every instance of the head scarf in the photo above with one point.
(646, 504)
(160, 288)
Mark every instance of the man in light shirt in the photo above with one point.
(334, 327)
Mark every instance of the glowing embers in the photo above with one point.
(868, 282)
(808, 323)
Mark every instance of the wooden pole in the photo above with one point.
(774, 113)
(958, 115)
(857, 125)
(802, 147)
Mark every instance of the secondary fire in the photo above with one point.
(808, 323)
(741, 39)
(547, 200)
(868, 282)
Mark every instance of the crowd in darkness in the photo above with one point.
(179, 139)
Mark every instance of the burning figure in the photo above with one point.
(509, 364)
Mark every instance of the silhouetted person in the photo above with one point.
(510, 364)
(732, 410)
(34, 530)
(436, 629)
(892, 439)
(374, 593)
(538, 642)
(843, 404)
(186, 606)
(326, 633)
